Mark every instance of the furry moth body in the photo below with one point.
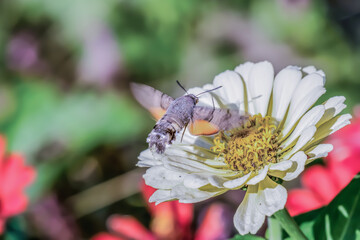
(175, 114)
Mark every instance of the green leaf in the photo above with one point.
(341, 218)
(306, 222)
(246, 237)
(308, 216)
(15, 229)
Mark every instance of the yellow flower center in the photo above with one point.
(250, 147)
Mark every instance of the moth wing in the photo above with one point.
(208, 121)
(153, 100)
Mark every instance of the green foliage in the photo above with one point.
(78, 120)
(306, 222)
(15, 229)
(75, 123)
(157, 36)
(71, 18)
(339, 220)
(246, 237)
(303, 31)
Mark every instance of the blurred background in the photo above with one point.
(65, 106)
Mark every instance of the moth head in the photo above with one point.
(194, 98)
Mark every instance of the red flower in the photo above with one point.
(14, 176)
(170, 220)
(323, 183)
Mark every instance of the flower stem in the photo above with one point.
(289, 224)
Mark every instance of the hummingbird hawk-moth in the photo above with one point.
(173, 115)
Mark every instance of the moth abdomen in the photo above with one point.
(162, 135)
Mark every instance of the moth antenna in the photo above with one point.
(181, 86)
(259, 96)
(209, 90)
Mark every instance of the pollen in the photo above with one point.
(250, 147)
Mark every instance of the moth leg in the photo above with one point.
(182, 136)
(212, 99)
(219, 100)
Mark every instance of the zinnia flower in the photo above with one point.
(14, 176)
(323, 183)
(284, 132)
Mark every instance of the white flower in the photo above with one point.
(284, 133)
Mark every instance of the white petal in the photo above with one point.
(189, 140)
(300, 159)
(146, 159)
(261, 175)
(160, 177)
(321, 73)
(280, 169)
(192, 195)
(284, 85)
(299, 106)
(320, 151)
(309, 89)
(331, 126)
(294, 67)
(247, 218)
(244, 70)
(281, 166)
(271, 197)
(309, 119)
(333, 107)
(208, 86)
(335, 102)
(309, 69)
(307, 84)
(160, 196)
(216, 98)
(217, 181)
(341, 122)
(304, 139)
(191, 158)
(146, 154)
(232, 87)
(191, 164)
(312, 69)
(195, 181)
(260, 85)
(236, 183)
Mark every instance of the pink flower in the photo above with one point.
(14, 177)
(170, 220)
(346, 144)
(323, 183)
